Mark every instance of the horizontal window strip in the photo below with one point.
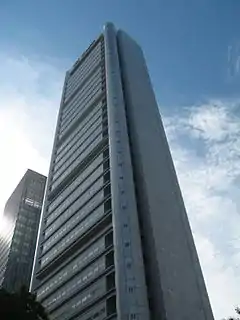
(96, 109)
(75, 284)
(78, 302)
(76, 161)
(86, 62)
(75, 233)
(80, 141)
(96, 96)
(83, 128)
(82, 77)
(80, 109)
(75, 151)
(75, 194)
(75, 183)
(82, 95)
(74, 207)
(95, 76)
(74, 266)
(86, 208)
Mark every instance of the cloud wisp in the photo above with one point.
(205, 144)
(29, 100)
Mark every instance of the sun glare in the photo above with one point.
(5, 228)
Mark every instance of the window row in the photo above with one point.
(79, 198)
(70, 224)
(81, 95)
(75, 284)
(27, 220)
(80, 111)
(76, 233)
(98, 312)
(80, 130)
(82, 65)
(81, 106)
(87, 116)
(80, 101)
(97, 290)
(94, 98)
(75, 194)
(78, 180)
(67, 214)
(89, 135)
(74, 153)
(85, 64)
(74, 85)
(72, 268)
(78, 159)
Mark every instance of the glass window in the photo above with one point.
(75, 284)
(82, 65)
(97, 312)
(75, 194)
(94, 96)
(78, 231)
(77, 161)
(74, 220)
(79, 127)
(83, 92)
(82, 77)
(78, 302)
(84, 210)
(82, 128)
(84, 71)
(93, 131)
(72, 268)
(96, 134)
(66, 192)
(88, 61)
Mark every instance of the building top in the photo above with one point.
(25, 189)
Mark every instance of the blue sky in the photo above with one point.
(185, 42)
(192, 50)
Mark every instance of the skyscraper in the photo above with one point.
(115, 241)
(17, 245)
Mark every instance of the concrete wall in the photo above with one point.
(130, 279)
(175, 284)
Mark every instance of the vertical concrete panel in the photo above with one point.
(130, 280)
(165, 227)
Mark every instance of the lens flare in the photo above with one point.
(6, 226)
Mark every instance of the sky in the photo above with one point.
(192, 49)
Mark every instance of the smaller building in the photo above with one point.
(21, 219)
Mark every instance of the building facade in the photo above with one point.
(17, 247)
(115, 242)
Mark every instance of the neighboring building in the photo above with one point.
(21, 217)
(115, 241)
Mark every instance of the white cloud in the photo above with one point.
(29, 100)
(205, 143)
(221, 279)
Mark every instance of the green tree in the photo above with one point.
(238, 312)
(20, 305)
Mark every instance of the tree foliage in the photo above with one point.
(238, 313)
(20, 305)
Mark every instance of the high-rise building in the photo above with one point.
(115, 241)
(21, 218)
